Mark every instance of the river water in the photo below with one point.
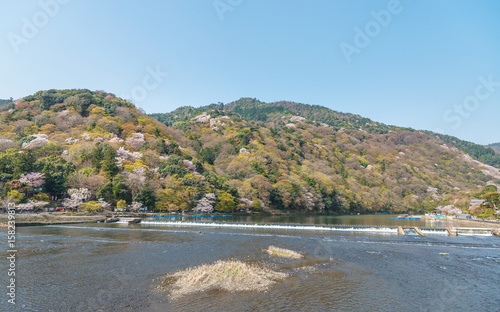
(117, 267)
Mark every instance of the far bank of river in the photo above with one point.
(32, 219)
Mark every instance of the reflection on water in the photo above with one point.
(109, 267)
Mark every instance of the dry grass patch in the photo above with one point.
(284, 253)
(230, 275)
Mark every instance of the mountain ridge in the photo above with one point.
(261, 111)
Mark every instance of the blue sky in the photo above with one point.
(430, 65)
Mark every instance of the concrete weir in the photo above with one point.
(418, 231)
(495, 232)
(401, 230)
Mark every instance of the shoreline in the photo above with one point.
(474, 221)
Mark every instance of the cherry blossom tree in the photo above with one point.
(105, 205)
(32, 205)
(449, 209)
(189, 165)
(135, 181)
(39, 141)
(206, 204)
(122, 154)
(134, 206)
(5, 144)
(33, 179)
(85, 136)
(136, 140)
(71, 141)
(77, 197)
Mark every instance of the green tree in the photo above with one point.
(166, 200)
(225, 202)
(91, 206)
(15, 196)
(56, 170)
(121, 204)
(120, 190)
(106, 192)
(492, 199)
(208, 155)
(14, 163)
(147, 197)
(109, 165)
(100, 152)
(47, 99)
(257, 205)
(489, 189)
(109, 108)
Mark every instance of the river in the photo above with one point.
(117, 267)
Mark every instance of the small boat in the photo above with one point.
(111, 220)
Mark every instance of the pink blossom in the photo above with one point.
(206, 204)
(135, 206)
(104, 204)
(40, 140)
(136, 140)
(33, 179)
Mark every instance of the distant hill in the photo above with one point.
(253, 109)
(485, 154)
(495, 146)
(6, 101)
(4, 104)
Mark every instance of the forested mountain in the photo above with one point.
(92, 149)
(253, 109)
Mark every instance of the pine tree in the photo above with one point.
(109, 165)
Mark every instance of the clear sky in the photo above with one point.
(427, 64)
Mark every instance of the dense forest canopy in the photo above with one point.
(91, 150)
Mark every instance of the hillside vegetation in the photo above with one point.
(495, 146)
(4, 104)
(91, 150)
